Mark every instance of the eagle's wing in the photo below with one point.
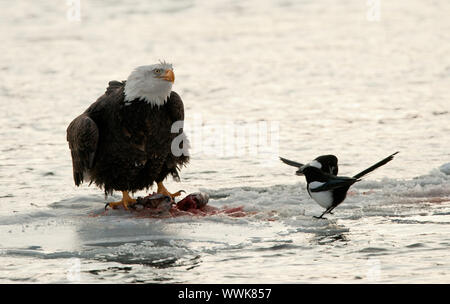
(176, 107)
(82, 135)
(113, 85)
(173, 163)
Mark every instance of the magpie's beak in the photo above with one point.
(300, 170)
(169, 76)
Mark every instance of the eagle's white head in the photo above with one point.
(150, 83)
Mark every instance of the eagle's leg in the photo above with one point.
(163, 190)
(125, 202)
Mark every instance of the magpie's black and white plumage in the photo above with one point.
(326, 163)
(329, 190)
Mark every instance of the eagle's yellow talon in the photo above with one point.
(163, 190)
(125, 202)
(178, 193)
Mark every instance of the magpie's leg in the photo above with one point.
(331, 209)
(321, 216)
(325, 212)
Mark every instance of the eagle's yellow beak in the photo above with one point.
(169, 76)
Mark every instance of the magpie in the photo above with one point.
(326, 163)
(329, 190)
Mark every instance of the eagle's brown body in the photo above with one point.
(125, 147)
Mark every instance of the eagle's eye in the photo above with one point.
(157, 71)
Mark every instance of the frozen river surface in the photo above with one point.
(324, 76)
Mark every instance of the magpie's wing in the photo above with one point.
(291, 162)
(377, 165)
(329, 162)
(334, 183)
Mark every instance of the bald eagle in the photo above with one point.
(123, 141)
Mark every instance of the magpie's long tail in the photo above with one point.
(291, 162)
(377, 165)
